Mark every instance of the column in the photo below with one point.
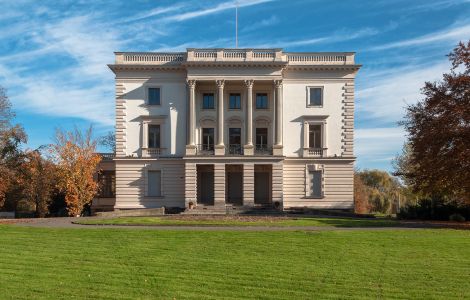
(277, 148)
(248, 148)
(248, 184)
(219, 185)
(191, 146)
(220, 147)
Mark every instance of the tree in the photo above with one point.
(361, 197)
(437, 160)
(74, 153)
(38, 181)
(11, 156)
(108, 141)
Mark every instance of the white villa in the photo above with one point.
(224, 128)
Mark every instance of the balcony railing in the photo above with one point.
(316, 152)
(261, 149)
(235, 149)
(205, 149)
(107, 156)
(152, 152)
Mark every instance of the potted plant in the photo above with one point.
(191, 204)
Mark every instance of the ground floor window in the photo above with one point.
(315, 183)
(107, 184)
(154, 183)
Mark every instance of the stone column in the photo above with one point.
(220, 147)
(277, 148)
(191, 146)
(248, 184)
(248, 148)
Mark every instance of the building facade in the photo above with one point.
(234, 127)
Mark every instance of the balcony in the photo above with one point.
(107, 156)
(235, 149)
(152, 152)
(315, 152)
(205, 149)
(263, 150)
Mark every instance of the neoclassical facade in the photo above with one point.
(221, 128)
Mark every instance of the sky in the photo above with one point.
(53, 54)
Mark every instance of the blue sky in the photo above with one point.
(53, 54)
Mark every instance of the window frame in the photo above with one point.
(267, 101)
(103, 175)
(267, 136)
(322, 96)
(147, 94)
(240, 101)
(213, 101)
(159, 135)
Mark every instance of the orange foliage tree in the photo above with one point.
(38, 181)
(76, 160)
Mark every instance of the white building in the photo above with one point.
(228, 127)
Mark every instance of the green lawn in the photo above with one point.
(269, 221)
(110, 263)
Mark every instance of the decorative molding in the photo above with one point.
(191, 83)
(249, 83)
(278, 83)
(220, 83)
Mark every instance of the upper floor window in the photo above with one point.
(208, 138)
(154, 184)
(154, 96)
(208, 101)
(314, 136)
(235, 101)
(315, 97)
(153, 136)
(261, 137)
(235, 136)
(261, 101)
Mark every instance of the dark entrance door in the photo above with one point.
(234, 184)
(205, 185)
(263, 184)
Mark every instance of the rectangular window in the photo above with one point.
(314, 136)
(261, 137)
(154, 96)
(154, 183)
(315, 97)
(261, 101)
(315, 183)
(235, 136)
(208, 101)
(153, 136)
(107, 183)
(208, 138)
(235, 101)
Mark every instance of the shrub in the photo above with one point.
(434, 208)
(457, 218)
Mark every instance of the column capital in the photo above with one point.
(278, 83)
(191, 83)
(249, 83)
(220, 83)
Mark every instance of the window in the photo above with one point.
(314, 136)
(154, 183)
(234, 101)
(235, 136)
(154, 96)
(153, 136)
(261, 137)
(208, 101)
(314, 178)
(107, 183)
(208, 138)
(315, 96)
(261, 101)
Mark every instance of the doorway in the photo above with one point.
(205, 184)
(263, 184)
(234, 184)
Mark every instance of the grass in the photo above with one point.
(260, 221)
(110, 263)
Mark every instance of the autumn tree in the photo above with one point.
(437, 158)
(39, 178)
(361, 197)
(11, 156)
(76, 159)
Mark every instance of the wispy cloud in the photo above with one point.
(154, 12)
(215, 9)
(451, 34)
(273, 20)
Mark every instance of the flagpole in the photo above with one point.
(236, 25)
